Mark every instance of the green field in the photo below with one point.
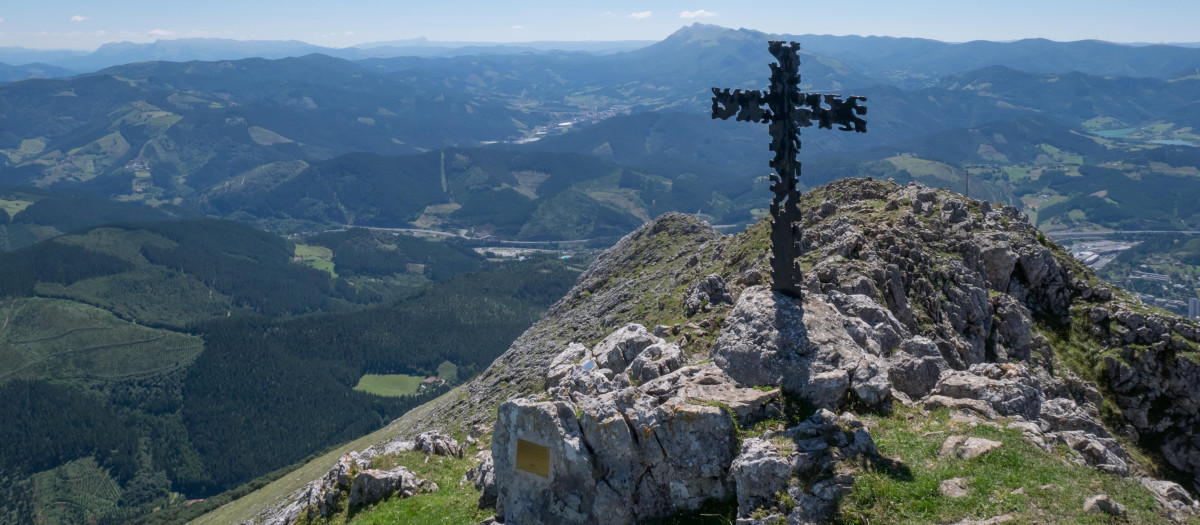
(318, 257)
(13, 207)
(921, 169)
(391, 385)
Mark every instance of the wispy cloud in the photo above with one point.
(518, 27)
(78, 18)
(1, 20)
(159, 33)
(640, 15)
(699, 13)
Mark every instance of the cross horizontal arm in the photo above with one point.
(844, 113)
(826, 110)
(747, 105)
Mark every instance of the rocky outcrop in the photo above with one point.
(705, 294)
(812, 465)
(599, 452)
(805, 348)
(913, 295)
(351, 481)
(483, 477)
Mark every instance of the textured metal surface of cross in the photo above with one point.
(787, 110)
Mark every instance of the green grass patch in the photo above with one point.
(318, 257)
(921, 168)
(13, 207)
(391, 385)
(1018, 479)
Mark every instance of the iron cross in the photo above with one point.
(787, 110)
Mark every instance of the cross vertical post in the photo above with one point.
(787, 110)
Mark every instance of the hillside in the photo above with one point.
(294, 144)
(159, 131)
(524, 195)
(123, 347)
(889, 267)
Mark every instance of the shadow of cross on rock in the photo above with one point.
(626, 431)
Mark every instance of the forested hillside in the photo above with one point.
(253, 364)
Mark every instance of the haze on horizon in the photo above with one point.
(86, 25)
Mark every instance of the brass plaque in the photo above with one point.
(533, 458)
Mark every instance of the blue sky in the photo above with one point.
(79, 24)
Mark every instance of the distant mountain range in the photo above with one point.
(905, 62)
(316, 140)
(69, 62)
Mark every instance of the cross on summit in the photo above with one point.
(787, 110)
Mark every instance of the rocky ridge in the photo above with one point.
(915, 297)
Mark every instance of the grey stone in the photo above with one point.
(482, 476)
(654, 361)
(954, 488)
(438, 444)
(967, 447)
(622, 346)
(759, 472)
(370, 486)
(1008, 388)
(705, 294)
(771, 339)
(575, 355)
(1101, 503)
(1103, 453)
(974, 405)
(916, 367)
(631, 454)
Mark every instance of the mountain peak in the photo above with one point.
(917, 301)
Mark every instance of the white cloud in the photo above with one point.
(349, 33)
(518, 27)
(640, 15)
(78, 18)
(699, 13)
(159, 33)
(1, 20)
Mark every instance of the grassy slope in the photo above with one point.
(247, 507)
(1020, 480)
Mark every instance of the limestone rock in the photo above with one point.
(566, 360)
(438, 444)
(1103, 453)
(1008, 389)
(916, 367)
(954, 488)
(968, 447)
(621, 347)
(654, 361)
(630, 454)
(705, 294)
(759, 472)
(1102, 503)
(370, 486)
(483, 477)
(770, 339)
